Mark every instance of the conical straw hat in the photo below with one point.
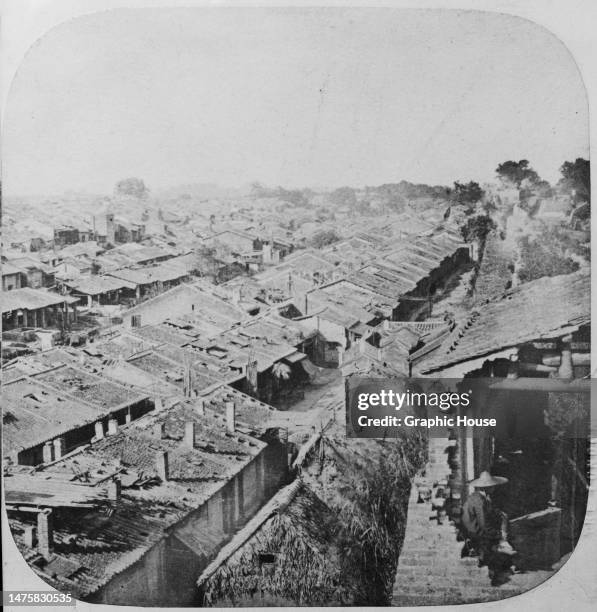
(487, 480)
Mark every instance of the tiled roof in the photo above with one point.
(250, 412)
(96, 285)
(90, 548)
(239, 342)
(124, 345)
(30, 299)
(211, 434)
(163, 365)
(29, 263)
(193, 302)
(161, 272)
(8, 268)
(129, 375)
(95, 547)
(164, 333)
(354, 298)
(139, 253)
(544, 308)
(33, 413)
(88, 387)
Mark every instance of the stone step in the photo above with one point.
(460, 591)
(430, 570)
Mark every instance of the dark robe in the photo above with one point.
(480, 519)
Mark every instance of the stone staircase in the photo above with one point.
(430, 569)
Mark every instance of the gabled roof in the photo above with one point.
(33, 413)
(144, 276)
(9, 269)
(27, 298)
(96, 285)
(545, 308)
(27, 263)
(86, 386)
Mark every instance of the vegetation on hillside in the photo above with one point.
(547, 254)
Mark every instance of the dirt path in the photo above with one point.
(323, 397)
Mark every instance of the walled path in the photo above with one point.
(430, 570)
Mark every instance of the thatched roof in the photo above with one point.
(330, 538)
(286, 553)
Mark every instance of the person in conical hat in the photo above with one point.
(487, 481)
(484, 526)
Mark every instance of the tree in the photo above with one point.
(543, 189)
(343, 196)
(363, 207)
(478, 228)
(323, 238)
(516, 172)
(295, 197)
(467, 193)
(543, 256)
(576, 176)
(131, 187)
(258, 190)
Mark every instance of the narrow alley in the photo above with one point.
(430, 569)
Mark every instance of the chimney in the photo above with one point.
(30, 536)
(386, 324)
(58, 448)
(45, 533)
(128, 417)
(230, 417)
(362, 345)
(48, 452)
(512, 369)
(112, 427)
(158, 431)
(99, 430)
(114, 488)
(163, 466)
(158, 403)
(189, 434)
(200, 406)
(566, 369)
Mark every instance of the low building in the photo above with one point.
(191, 301)
(151, 280)
(26, 307)
(35, 273)
(51, 412)
(12, 277)
(275, 556)
(73, 268)
(236, 241)
(149, 498)
(128, 231)
(395, 346)
(64, 235)
(101, 290)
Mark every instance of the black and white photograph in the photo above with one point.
(296, 308)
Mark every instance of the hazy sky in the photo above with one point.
(289, 97)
